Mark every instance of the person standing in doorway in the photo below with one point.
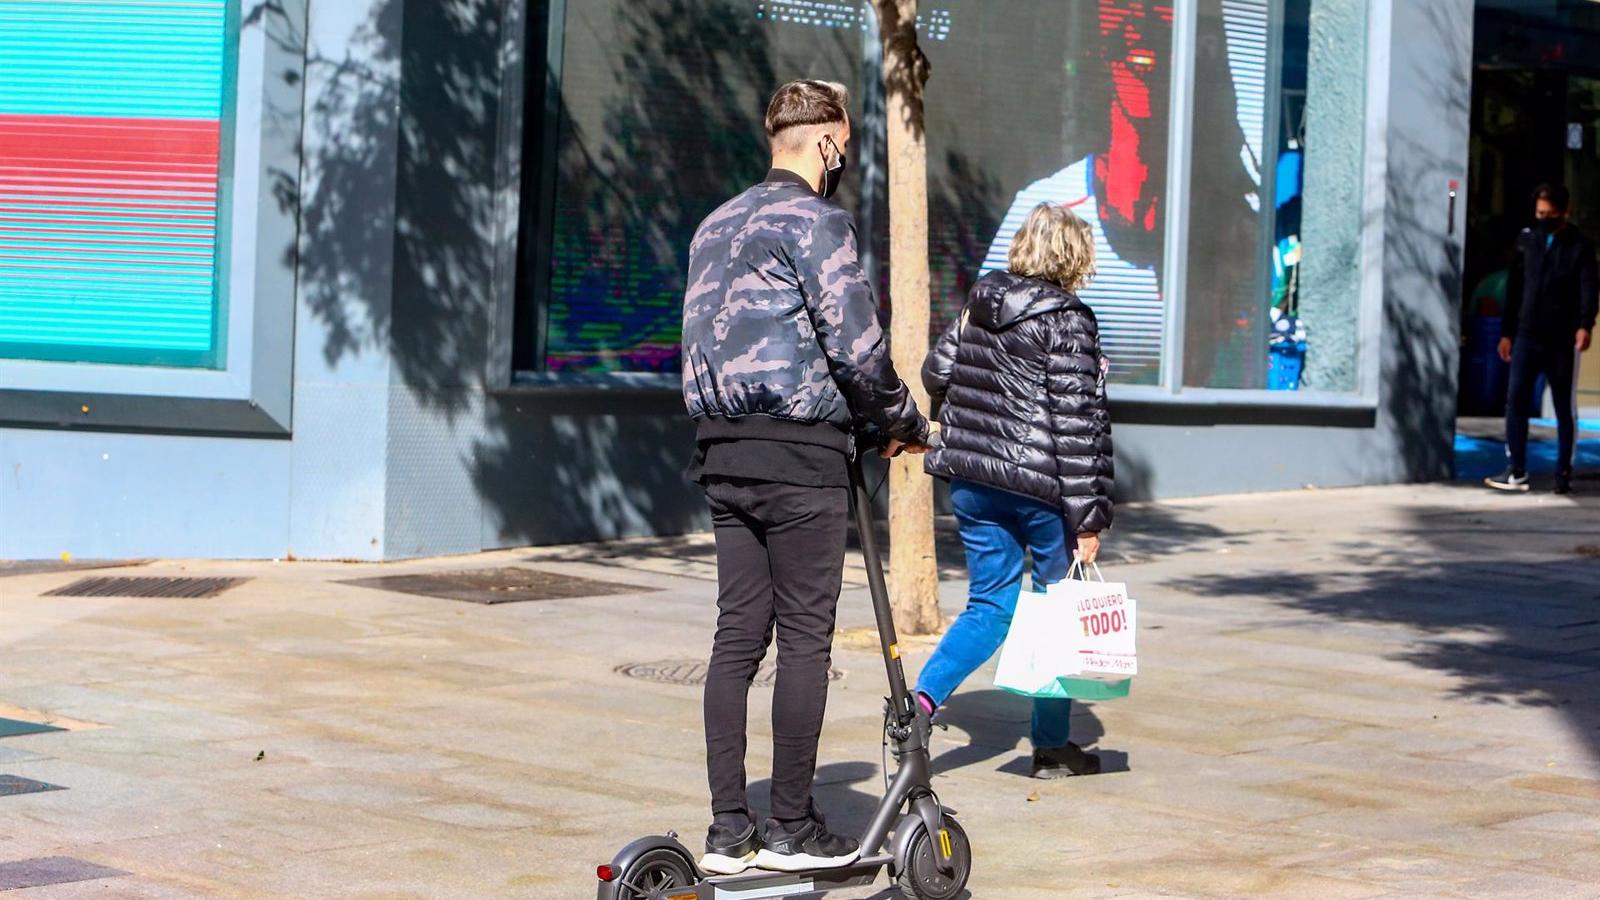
(1552, 295)
(782, 352)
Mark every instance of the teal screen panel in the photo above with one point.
(110, 149)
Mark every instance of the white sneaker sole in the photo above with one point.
(1521, 488)
(799, 862)
(717, 864)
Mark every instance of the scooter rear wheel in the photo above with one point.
(921, 877)
(654, 875)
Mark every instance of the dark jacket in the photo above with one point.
(1551, 291)
(1019, 383)
(780, 329)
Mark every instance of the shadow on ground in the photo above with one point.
(1508, 601)
(848, 793)
(996, 725)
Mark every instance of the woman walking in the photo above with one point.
(1018, 381)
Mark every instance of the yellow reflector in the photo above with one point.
(894, 651)
(694, 896)
(944, 843)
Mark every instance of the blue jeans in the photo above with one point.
(996, 527)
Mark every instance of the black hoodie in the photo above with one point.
(1018, 382)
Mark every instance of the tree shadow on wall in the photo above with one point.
(682, 130)
(420, 284)
(1423, 272)
(555, 468)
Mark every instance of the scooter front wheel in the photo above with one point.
(921, 877)
(654, 875)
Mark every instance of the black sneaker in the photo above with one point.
(806, 844)
(729, 852)
(1563, 482)
(1509, 480)
(1063, 762)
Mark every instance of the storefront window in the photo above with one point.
(1034, 101)
(1241, 307)
(1030, 101)
(1051, 102)
(109, 154)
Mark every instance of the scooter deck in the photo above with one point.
(756, 883)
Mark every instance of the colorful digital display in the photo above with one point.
(109, 152)
(1118, 184)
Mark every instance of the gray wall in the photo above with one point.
(1428, 125)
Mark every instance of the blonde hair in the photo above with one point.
(1055, 245)
(800, 107)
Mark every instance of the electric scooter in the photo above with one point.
(912, 835)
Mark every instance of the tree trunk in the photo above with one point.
(913, 570)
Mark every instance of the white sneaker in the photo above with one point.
(1509, 480)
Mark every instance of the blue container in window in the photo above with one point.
(1284, 363)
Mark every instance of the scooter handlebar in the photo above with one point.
(871, 439)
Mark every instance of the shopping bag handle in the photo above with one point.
(1077, 572)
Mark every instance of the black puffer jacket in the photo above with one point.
(1019, 384)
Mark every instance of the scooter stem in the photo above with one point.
(899, 697)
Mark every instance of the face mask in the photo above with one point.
(832, 174)
(1547, 226)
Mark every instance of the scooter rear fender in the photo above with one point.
(627, 855)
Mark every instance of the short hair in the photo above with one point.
(1557, 194)
(804, 104)
(1055, 245)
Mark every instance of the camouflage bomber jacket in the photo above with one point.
(779, 321)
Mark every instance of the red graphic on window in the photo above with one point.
(1135, 35)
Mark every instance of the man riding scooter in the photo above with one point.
(782, 350)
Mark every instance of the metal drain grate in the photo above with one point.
(12, 785)
(191, 588)
(693, 672)
(504, 585)
(27, 873)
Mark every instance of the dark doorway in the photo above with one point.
(1535, 118)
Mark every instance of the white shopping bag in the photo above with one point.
(1038, 650)
(1105, 620)
(1074, 628)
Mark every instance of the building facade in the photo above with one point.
(387, 278)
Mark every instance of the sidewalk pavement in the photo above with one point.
(1361, 693)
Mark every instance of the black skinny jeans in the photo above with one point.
(1557, 360)
(780, 558)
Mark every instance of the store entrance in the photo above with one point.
(1528, 127)
(1535, 118)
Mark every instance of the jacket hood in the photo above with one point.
(1002, 299)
